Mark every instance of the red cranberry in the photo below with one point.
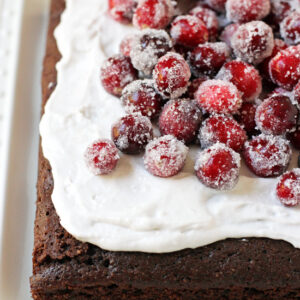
(244, 76)
(132, 133)
(297, 94)
(228, 32)
(253, 42)
(218, 167)
(223, 129)
(101, 157)
(276, 115)
(194, 85)
(290, 28)
(153, 14)
(116, 72)
(171, 75)
(218, 96)
(267, 155)
(165, 156)
(180, 118)
(208, 58)
(288, 188)
(122, 10)
(189, 31)
(246, 117)
(209, 18)
(247, 10)
(281, 8)
(141, 97)
(147, 47)
(218, 5)
(284, 68)
(294, 138)
(126, 45)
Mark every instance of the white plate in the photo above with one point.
(18, 194)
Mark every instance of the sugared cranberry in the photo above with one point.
(218, 167)
(223, 129)
(171, 75)
(294, 138)
(116, 72)
(290, 28)
(208, 58)
(282, 8)
(288, 188)
(165, 156)
(276, 115)
(246, 117)
(180, 118)
(101, 157)
(147, 47)
(209, 18)
(297, 94)
(155, 14)
(140, 96)
(228, 32)
(122, 10)
(194, 85)
(218, 96)
(244, 76)
(284, 68)
(132, 133)
(189, 31)
(218, 5)
(253, 42)
(126, 45)
(241, 11)
(267, 155)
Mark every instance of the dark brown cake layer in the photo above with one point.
(65, 268)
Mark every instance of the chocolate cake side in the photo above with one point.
(65, 268)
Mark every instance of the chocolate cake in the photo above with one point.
(65, 268)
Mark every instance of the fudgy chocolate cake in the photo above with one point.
(65, 268)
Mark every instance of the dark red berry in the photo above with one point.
(101, 157)
(122, 10)
(218, 5)
(171, 75)
(297, 94)
(244, 76)
(208, 58)
(267, 155)
(132, 133)
(253, 42)
(180, 118)
(126, 45)
(284, 68)
(194, 85)
(218, 167)
(165, 156)
(246, 117)
(116, 72)
(218, 96)
(276, 115)
(294, 138)
(288, 188)
(155, 14)
(228, 32)
(189, 31)
(290, 28)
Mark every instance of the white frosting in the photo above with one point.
(131, 209)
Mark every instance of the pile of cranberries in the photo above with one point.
(235, 89)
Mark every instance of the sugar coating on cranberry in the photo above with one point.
(241, 11)
(116, 72)
(101, 157)
(294, 138)
(188, 31)
(209, 18)
(218, 96)
(244, 76)
(297, 94)
(155, 14)
(132, 133)
(171, 75)
(141, 97)
(165, 156)
(246, 117)
(194, 85)
(122, 10)
(290, 28)
(218, 167)
(282, 8)
(253, 42)
(208, 58)
(288, 188)
(218, 5)
(147, 47)
(223, 129)
(228, 32)
(267, 155)
(126, 45)
(180, 118)
(276, 115)
(284, 68)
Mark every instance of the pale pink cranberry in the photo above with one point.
(282, 8)
(290, 28)
(228, 32)
(122, 10)
(126, 45)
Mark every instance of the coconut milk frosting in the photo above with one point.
(130, 209)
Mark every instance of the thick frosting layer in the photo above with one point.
(131, 209)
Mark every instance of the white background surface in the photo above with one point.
(20, 98)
